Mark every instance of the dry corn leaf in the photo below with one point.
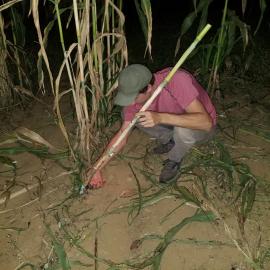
(35, 137)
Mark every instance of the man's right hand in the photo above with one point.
(96, 181)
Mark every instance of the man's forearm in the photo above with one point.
(105, 157)
(195, 120)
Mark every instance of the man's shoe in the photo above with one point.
(164, 148)
(169, 171)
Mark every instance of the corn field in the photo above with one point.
(79, 48)
(91, 63)
(5, 93)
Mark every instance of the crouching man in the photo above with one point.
(179, 117)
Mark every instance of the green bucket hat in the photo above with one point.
(131, 80)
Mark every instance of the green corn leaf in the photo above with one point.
(142, 18)
(225, 155)
(187, 23)
(8, 162)
(243, 203)
(204, 15)
(243, 178)
(243, 169)
(155, 260)
(40, 152)
(171, 212)
(244, 5)
(146, 7)
(145, 17)
(120, 14)
(187, 195)
(241, 26)
(18, 28)
(227, 161)
(231, 30)
(9, 4)
(190, 18)
(197, 217)
(247, 198)
(59, 250)
(263, 6)
(251, 196)
(195, 5)
(207, 56)
(17, 150)
(132, 217)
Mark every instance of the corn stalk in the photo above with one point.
(232, 29)
(18, 68)
(5, 82)
(91, 65)
(144, 11)
(213, 80)
(16, 33)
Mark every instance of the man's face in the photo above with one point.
(143, 97)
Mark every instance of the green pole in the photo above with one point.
(187, 52)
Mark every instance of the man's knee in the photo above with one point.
(187, 136)
(159, 132)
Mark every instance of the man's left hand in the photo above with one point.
(148, 119)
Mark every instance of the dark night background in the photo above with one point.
(167, 19)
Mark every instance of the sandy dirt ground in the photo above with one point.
(132, 222)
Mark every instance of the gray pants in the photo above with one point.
(184, 138)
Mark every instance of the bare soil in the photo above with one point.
(45, 225)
